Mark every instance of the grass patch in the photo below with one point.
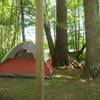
(57, 88)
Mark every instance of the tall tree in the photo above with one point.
(1, 28)
(48, 32)
(92, 26)
(22, 20)
(39, 50)
(49, 39)
(61, 47)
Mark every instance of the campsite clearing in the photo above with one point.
(64, 87)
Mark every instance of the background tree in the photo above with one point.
(22, 19)
(47, 28)
(92, 24)
(61, 43)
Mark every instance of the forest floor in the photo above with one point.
(65, 85)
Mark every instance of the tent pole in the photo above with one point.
(39, 50)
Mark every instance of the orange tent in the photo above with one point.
(20, 62)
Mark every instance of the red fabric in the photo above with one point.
(23, 66)
(49, 63)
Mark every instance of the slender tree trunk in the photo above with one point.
(78, 24)
(49, 39)
(54, 28)
(1, 28)
(1, 38)
(92, 26)
(61, 45)
(83, 34)
(22, 21)
(9, 28)
(15, 32)
(39, 50)
(48, 32)
(75, 29)
(97, 3)
(73, 38)
(18, 22)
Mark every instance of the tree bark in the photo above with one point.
(49, 39)
(61, 45)
(92, 26)
(22, 21)
(78, 25)
(39, 50)
(75, 30)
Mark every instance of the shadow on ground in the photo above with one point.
(64, 85)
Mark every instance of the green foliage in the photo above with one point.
(8, 26)
(75, 23)
(29, 12)
(2, 53)
(10, 21)
(45, 45)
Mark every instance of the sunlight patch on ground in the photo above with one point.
(63, 76)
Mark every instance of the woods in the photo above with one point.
(61, 36)
(66, 18)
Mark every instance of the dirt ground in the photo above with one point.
(64, 85)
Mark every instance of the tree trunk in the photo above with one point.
(1, 38)
(75, 29)
(49, 39)
(39, 50)
(92, 26)
(78, 44)
(61, 47)
(97, 4)
(1, 26)
(22, 21)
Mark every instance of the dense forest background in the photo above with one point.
(18, 16)
(70, 26)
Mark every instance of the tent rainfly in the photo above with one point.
(20, 62)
